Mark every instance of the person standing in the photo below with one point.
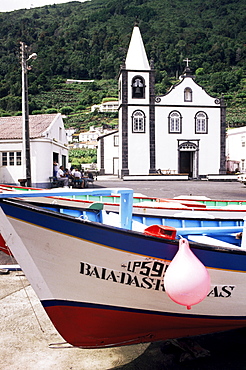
(55, 168)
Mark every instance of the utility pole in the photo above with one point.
(25, 113)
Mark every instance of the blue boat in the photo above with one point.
(215, 231)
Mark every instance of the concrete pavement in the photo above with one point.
(171, 189)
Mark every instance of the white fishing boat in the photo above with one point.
(104, 285)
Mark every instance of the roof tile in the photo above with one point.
(11, 127)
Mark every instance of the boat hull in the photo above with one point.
(103, 286)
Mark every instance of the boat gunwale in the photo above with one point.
(37, 209)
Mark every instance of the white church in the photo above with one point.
(181, 132)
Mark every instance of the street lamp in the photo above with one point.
(25, 113)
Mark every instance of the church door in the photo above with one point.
(188, 158)
(186, 163)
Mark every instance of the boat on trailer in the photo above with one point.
(104, 285)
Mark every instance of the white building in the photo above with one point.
(90, 135)
(108, 153)
(88, 139)
(108, 106)
(84, 145)
(236, 149)
(69, 81)
(48, 143)
(180, 132)
(70, 132)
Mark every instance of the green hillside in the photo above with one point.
(89, 41)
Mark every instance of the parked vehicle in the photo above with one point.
(242, 178)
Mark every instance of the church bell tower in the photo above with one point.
(136, 111)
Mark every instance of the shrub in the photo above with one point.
(66, 110)
(241, 95)
(51, 110)
(104, 100)
(37, 112)
(199, 71)
(5, 114)
(80, 108)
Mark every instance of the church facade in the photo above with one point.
(181, 132)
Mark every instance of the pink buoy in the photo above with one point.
(186, 280)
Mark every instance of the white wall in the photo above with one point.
(10, 174)
(57, 131)
(110, 154)
(199, 96)
(138, 146)
(236, 146)
(42, 159)
(167, 143)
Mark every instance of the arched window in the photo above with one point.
(201, 123)
(138, 121)
(187, 94)
(175, 123)
(138, 87)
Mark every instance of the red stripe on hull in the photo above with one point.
(95, 328)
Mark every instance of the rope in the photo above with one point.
(24, 288)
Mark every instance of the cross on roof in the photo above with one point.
(187, 61)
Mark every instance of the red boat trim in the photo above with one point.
(90, 325)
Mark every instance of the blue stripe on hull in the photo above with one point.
(58, 302)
